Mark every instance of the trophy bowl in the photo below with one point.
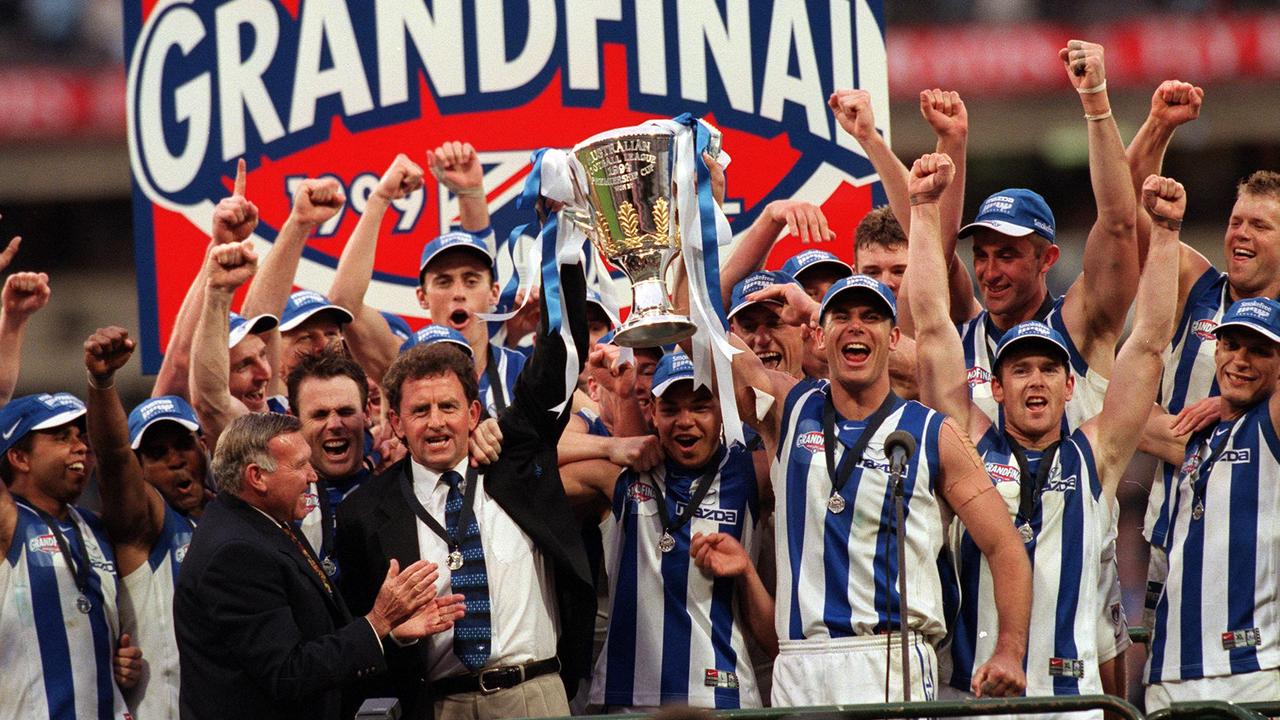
(627, 207)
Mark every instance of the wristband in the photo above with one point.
(1099, 116)
(1095, 89)
(93, 383)
(1167, 223)
(923, 199)
(469, 192)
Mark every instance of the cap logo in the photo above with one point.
(1254, 309)
(1046, 227)
(999, 203)
(308, 297)
(157, 407)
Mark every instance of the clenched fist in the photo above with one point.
(1165, 201)
(852, 109)
(106, 351)
(456, 165)
(1084, 64)
(945, 112)
(24, 294)
(930, 175)
(316, 200)
(402, 178)
(231, 266)
(1176, 102)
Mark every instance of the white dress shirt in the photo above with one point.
(521, 591)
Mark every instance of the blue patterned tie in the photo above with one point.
(472, 635)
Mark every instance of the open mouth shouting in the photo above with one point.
(255, 400)
(459, 319)
(336, 449)
(438, 443)
(772, 359)
(855, 353)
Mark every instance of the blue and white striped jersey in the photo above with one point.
(1188, 377)
(1219, 613)
(509, 363)
(688, 648)
(980, 337)
(838, 573)
(1068, 528)
(146, 613)
(56, 659)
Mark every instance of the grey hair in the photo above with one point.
(244, 443)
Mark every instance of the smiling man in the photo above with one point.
(59, 622)
(152, 472)
(757, 322)
(1214, 634)
(837, 587)
(689, 649)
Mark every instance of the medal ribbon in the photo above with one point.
(464, 516)
(695, 500)
(1205, 468)
(79, 563)
(851, 458)
(1029, 488)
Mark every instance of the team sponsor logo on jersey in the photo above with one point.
(1061, 484)
(1001, 473)
(332, 89)
(105, 566)
(311, 500)
(1191, 463)
(712, 677)
(725, 516)
(46, 543)
(1066, 667)
(1232, 639)
(811, 441)
(978, 376)
(1204, 329)
(641, 492)
(1242, 455)
(180, 554)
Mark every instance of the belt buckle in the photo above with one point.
(485, 689)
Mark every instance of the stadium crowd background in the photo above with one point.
(64, 172)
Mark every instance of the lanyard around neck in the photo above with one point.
(839, 476)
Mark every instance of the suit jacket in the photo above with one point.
(375, 524)
(258, 635)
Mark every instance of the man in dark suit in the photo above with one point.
(260, 631)
(514, 549)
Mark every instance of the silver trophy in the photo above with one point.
(626, 205)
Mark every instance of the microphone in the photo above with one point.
(899, 447)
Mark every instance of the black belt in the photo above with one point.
(492, 680)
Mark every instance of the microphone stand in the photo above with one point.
(900, 535)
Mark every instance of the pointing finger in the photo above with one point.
(238, 190)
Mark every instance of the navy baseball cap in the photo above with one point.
(1033, 331)
(860, 283)
(398, 326)
(672, 368)
(1260, 314)
(242, 327)
(434, 334)
(803, 261)
(1017, 212)
(305, 303)
(458, 239)
(755, 282)
(166, 408)
(37, 412)
(595, 298)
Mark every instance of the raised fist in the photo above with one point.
(402, 178)
(1165, 200)
(944, 111)
(235, 217)
(317, 200)
(24, 294)
(107, 350)
(231, 265)
(1084, 64)
(853, 111)
(456, 165)
(930, 175)
(1176, 102)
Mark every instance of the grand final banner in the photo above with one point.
(308, 88)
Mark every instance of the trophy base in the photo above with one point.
(654, 331)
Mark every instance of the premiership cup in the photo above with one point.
(626, 204)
